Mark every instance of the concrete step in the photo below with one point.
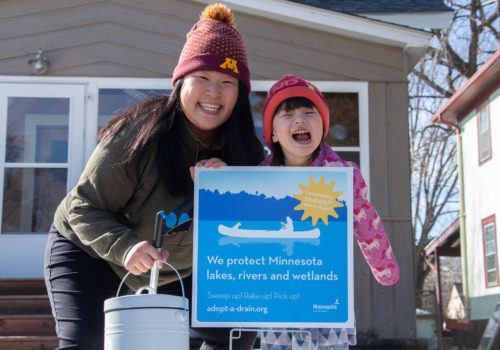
(28, 343)
(27, 325)
(24, 305)
(22, 286)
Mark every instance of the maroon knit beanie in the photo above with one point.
(287, 87)
(214, 44)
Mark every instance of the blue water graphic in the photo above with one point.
(250, 267)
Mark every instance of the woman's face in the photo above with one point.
(208, 99)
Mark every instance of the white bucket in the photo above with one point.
(146, 321)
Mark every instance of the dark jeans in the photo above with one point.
(78, 284)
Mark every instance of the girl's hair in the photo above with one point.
(157, 121)
(289, 105)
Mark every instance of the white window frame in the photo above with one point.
(90, 110)
(360, 88)
(95, 84)
(85, 127)
(75, 132)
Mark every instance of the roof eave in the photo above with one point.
(472, 94)
(452, 229)
(422, 20)
(333, 22)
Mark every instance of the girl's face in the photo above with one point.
(299, 132)
(208, 99)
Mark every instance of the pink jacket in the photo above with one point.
(368, 228)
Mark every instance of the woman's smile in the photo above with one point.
(210, 108)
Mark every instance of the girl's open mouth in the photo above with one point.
(302, 136)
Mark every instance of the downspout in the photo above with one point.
(463, 241)
(462, 215)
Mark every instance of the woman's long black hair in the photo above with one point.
(156, 121)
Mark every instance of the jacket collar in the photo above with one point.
(191, 143)
(325, 154)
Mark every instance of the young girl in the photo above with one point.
(295, 120)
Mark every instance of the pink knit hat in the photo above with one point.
(214, 44)
(287, 87)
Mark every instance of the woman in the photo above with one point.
(104, 226)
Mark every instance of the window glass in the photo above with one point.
(490, 262)
(484, 134)
(257, 100)
(114, 101)
(37, 130)
(483, 120)
(349, 156)
(37, 136)
(344, 119)
(492, 277)
(31, 196)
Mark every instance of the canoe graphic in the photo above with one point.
(286, 231)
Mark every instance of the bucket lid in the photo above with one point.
(161, 301)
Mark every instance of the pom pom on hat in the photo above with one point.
(287, 87)
(214, 44)
(219, 12)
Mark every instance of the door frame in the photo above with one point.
(21, 254)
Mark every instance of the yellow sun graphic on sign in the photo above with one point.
(318, 200)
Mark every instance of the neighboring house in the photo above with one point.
(104, 55)
(474, 110)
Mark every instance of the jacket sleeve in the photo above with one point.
(104, 188)
(370, 234)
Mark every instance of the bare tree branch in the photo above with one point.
(454, 55)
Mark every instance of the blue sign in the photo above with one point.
(273, 247)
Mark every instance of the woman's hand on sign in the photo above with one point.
(207, 163)
(140, 258)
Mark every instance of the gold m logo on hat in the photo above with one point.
(229, 63)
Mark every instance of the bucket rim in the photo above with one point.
(146, 301)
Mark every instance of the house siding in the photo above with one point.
(125, 38)
(90, 37)
(390, 176)
(481, 185)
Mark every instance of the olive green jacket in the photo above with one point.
(114, 205)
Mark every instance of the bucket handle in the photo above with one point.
(151, 290)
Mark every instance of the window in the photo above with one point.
(113, 101)
(490, 251)
(348, 132)
(48, 131)
(40, 125)
(484, 139)
(51, 131)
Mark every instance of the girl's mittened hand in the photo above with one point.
(140, 258)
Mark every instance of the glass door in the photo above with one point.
(41, 137)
